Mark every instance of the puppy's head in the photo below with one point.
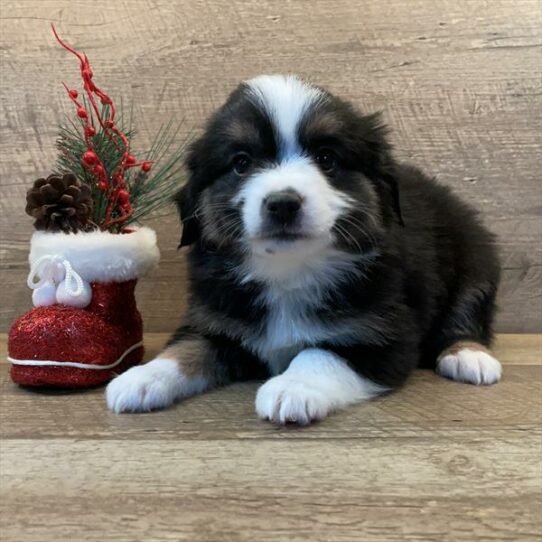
(285, 167)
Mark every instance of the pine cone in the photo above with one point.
(60, 203)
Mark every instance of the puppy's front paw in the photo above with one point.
(154, 385)
(284, 399)
(471, 366)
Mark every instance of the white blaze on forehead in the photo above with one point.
(285, 98)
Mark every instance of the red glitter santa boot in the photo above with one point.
(85, 327)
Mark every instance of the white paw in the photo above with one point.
(286, 400)
(155, 385)
(472, 366)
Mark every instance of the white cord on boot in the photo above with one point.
(52, 270)
(75, 364)
(47, 270)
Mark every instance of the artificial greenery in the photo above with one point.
(149, 191)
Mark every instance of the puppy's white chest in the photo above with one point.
(291, 300)
(287, 331)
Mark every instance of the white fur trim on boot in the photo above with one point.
(99, 255)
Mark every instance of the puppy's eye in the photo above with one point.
(326, 159)
(241, 163)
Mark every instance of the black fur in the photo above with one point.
(432, 280)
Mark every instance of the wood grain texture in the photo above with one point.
(458, 80)
(437, 461)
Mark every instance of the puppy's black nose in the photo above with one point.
(283, 206)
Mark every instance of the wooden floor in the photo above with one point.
(437, 461)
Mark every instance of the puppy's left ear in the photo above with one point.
(377, 151)
(392, 186)
(187, 205)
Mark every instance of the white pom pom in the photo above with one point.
(64, 297)
(44, 295)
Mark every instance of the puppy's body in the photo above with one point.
(340, 275)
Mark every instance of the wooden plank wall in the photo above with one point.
(458, 80)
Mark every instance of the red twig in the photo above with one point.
(118, 209)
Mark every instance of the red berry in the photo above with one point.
(130, 160)
(82, 113)
(90, 131)
(146, 166)
(98, 170)
(90, 158)
(123, 197)
(73, 93)
(102, 185)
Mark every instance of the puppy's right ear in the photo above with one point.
(187, 197)
(187, 206)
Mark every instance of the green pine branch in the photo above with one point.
(149, 192)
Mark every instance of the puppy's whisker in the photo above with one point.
(231, 227)
(347, 237)
(364, 232)
(371, 216)
(195, 214)
(357, 225)
(343, 235)
(227, 230)
(356, 219)
(208, 207)
(222, 229)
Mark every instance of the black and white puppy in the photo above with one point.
(318, 261)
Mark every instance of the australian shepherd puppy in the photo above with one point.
(317, 262)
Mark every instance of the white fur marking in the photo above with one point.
(316, 383)
(294, 286)
(286, 98)
(471, 366)
(157, 384)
